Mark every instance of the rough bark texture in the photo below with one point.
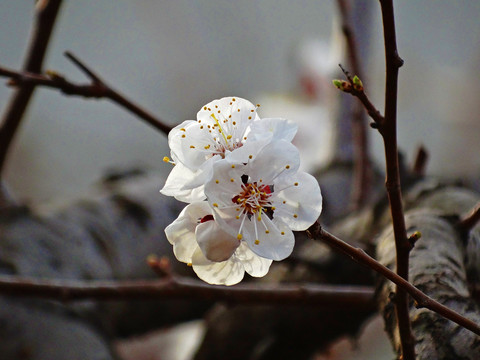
(441, 264)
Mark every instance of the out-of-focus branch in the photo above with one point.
(316, 232)
(96, 89)
(46, 13)
(466, 223)
(348, 297)
(420, 163)
(362, 168)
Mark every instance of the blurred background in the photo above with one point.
(172, 57)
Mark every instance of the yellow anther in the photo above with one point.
(192, 147)
(182, 129)
(232, 180)
(215, 205)
(295, 216)
(296, 184)
(207, 147)
(239, 236)
(189, 264)
(257, 242)
(229, 137)
(250, 156)
(267, 232)
(201, 127)
(252, 110)
(283, 233)
(204, 108)
(238, 110)
(237, 217)
(183, 135)
(249, 118)
(273, 208)
(287, 167)
(233, 99)
(234, 122)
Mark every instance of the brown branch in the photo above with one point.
(362, 168)
(316, 232)
(96, 89)
(392, 182)
(46, 13)
(347, 297)
(468, 222)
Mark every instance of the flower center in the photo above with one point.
(254, 199)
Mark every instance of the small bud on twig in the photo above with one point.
(412, 239)
(342, 85)
(357, 83)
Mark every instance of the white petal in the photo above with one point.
(278, 158)
(181, 137)
(253, 264)
(215, 243)
(179, 182)
(249, 150)
(304, 201)
(275, 239)
(228, 272)
(281, 129)
(181, 233)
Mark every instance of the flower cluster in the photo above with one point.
(239, 174)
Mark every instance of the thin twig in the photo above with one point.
(468, 222)
(46, 13)
(316, 232)
(362, 168)
(172, 287)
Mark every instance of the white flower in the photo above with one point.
(222, 128)
(262, 200)
(215, 256)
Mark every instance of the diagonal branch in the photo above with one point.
(96, 89)
(316, 232)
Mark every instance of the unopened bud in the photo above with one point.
(357, 83)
